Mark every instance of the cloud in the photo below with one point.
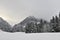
(19, 9)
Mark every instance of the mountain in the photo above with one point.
(29, 19)
(20, 26)
(5, 26)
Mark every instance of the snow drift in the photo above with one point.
(33, 36)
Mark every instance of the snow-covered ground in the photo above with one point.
(33, 36)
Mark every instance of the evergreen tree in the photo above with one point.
(52, 20)
(36, 27)
(59, 14)
(52, 23)
(57, 28)
(56, 19)
(27, 29)
(30, 28)
(40, 26)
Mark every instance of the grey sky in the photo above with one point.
(15, 11)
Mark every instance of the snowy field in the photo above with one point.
(33, 36)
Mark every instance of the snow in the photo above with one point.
(32, 36)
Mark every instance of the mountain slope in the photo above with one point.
(29, 19)
(20, 26)
(5, 26)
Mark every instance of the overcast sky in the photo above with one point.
(15, 11)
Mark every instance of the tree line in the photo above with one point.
(44, 26)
